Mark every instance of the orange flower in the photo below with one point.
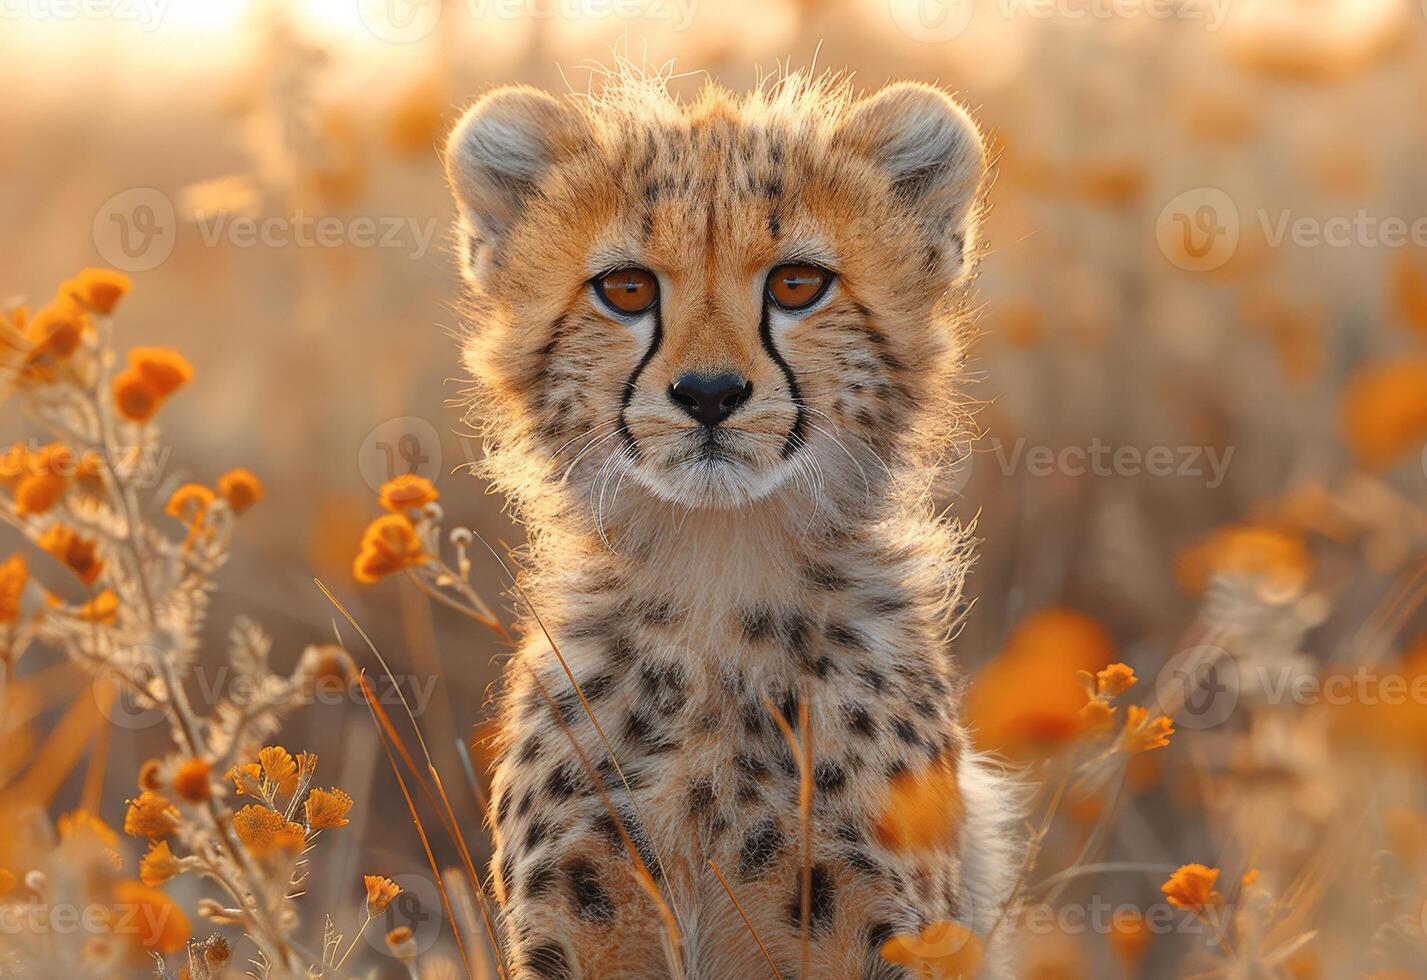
(923, 809)
(247, 778)
(946, 949)
(150, 816)
(158, 865)
(1114, 680)
(191, 781)
(1027, 702)
(266, 832)
(14, 576)
(381, 892)
(1143, 733)
(1129, 937)
(278, 765)
(408, 492)
(1097, 716)
(1384, 411)
(402, 943)
(241, 489)
(98, 289)
(1192, 887)
(102, 610)
(389, 545)
(56, 330)
(71, 549)
(45, 479)
(327, 809)
(1278, 559)
(135, 397)
(82, 823)
(190, 503)
(162, 367)
(149, 774)
(152, 919)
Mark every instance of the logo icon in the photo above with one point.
(135, 230)
(400, 21)
(1199, 230)
(417, 908)
(933, 21)
(1199, 687)
(397, 447)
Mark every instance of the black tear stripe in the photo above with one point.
(796, 435)
(628, 394)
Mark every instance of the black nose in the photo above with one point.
(709, 398)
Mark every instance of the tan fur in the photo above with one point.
(800, 562)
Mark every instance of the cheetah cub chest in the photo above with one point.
(715, 348)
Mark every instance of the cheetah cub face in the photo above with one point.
(714, 301)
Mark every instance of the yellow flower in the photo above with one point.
(1129, 937)
(407, 492)
(14, 576)
(247, 778)
(1143, 733)
(265, 831)
(103, 609)
(191, 781)
(946, 949)
(72, 550)
(389, 545)
(98, 289)
(158, 865)
(1097, 715)
(381, 892)
(135, 398)
(1114, 680)
(327, 809)
(1192, 887)
(190, 503)
(83, 823)
(241, 488)
(150, 816)
(153, 920)
(278, 766)
(165, 369)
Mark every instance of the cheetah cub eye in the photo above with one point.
(797, 285)
(627, 291)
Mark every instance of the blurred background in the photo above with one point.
(1202, 357)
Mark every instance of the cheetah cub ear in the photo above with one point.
(930, 149)
(495, 159)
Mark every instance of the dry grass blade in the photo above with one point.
(673, 942)
(444, 811)
(803, 753)
(746, 921)
(420, 829)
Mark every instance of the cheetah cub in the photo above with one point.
(715, 346)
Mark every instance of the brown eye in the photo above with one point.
(628, 290)
(797, 285)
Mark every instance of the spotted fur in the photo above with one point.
(695, 583)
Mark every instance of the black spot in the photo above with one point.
(846, 636)
(592, 902)
(872, 679)
(758, 624)
(563, 781)
(861, 861)
(887, 604)
(829, 777)
(663, 685)
(597, 687)
(860, 721)
(761, 845)
(608, 828)
(906, 731)
(826, 577)
(788, 708)
(539, 879)
(775, 227)
(502, 808)
(924, 707)
(530, 750)
(821, 900)
(527, 800)
(568, 704)
(751, 766)
(755, 717)
(701, 796)
(878, 934)
(537, 833)
(642, 732)
(547, 961)
(507, 871)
